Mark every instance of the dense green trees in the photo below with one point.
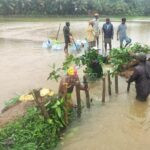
(74, 7)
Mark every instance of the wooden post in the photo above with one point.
(37, 96)
(104, 89)
(58, 32)
(78, 100)
(116, 84)
(109, 83)
(86, 92)
(66, 111)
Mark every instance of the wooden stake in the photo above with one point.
(109, 83)
(104, 89)
(86, 92)
(58, 32)
(78, 100)
(66, 111)
(38, 98)
(116, 84)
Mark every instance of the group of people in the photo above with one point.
(141, 74)
(93, 32)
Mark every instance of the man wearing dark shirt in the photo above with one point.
(108, 31)
(67, 34)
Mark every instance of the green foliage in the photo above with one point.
(12, 101)
(33, 132)
(123, 56)
(71, 60)
(54, 74)
(87, 60)
(74, 7)
(138, 48)
(90, 60)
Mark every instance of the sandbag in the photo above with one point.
(47, 44)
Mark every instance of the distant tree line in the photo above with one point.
(74, 7)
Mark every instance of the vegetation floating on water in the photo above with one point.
(120, 57)
(91, 60)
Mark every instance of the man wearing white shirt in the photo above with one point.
(96, 29)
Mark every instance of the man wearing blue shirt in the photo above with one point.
(108, 32)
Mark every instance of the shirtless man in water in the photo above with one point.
(68, 82)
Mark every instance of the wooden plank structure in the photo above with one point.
(86, 92)
(78, 100)
(116, 84)
(109, 83)
(39, 102)
(104, 90)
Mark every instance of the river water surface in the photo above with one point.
(122, 123)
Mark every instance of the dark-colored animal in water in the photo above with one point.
(141, 77)
(96, 68)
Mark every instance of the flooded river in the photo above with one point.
(121, 124)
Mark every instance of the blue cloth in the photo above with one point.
(108, 30)
(122, 31)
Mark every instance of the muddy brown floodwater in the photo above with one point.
(121, 124)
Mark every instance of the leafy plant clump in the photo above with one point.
(119, 57)
(93, 63)
(91, 60)
(33, 132)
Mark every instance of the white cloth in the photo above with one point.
(96, 26)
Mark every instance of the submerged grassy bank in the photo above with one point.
(34, 131)
(67, 18)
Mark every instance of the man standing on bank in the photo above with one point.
(96, 29)
(67, 35)
(108, 33)
(122, 35)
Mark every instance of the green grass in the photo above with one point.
(65, 18)
(33, 131)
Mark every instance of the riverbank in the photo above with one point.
(68, 18)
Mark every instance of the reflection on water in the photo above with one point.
(121, 124)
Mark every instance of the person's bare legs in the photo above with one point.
(97, 39)
(66, 49)
(105, 48)
(110, 46)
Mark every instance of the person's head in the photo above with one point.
(107, 20)
(72, 72)
(68, 24)
(123, 20)
(91, 23)
(96, 15)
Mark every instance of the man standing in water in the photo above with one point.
(108, 32)
(141, 77)
(68, 83)
(67, 34)
(121, 33)
(96, 29)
